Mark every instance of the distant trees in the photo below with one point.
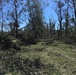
(18, 10)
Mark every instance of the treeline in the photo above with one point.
(15, 12)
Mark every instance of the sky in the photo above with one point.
(49, 13)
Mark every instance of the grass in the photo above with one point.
(58, 58)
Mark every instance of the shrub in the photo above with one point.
(11, 42)
(0, 38)
(73, 38)
(37, 62)
(68, 41)
(49, 41)
(29, 40)
(2, 72)
(16, 46)
(13, 62)
(7, 43)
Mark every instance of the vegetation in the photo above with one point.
(57, 58)
(40, 47)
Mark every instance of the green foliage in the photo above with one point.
(40, 59)
(13, 62)
(37, 62)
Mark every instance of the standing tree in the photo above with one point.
(59, 11)
(66, 13)
(52, 27)
(74, 7)
(73, 2)
(16, 12)
(35, 17)
(2, 15)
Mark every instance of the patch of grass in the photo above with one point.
(40, 59)
(58, 53)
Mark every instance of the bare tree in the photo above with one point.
(66, 14)
(74, 6)
(73, 2)
(2, 15)
(59, 11)
(52, 27)
(16, 12)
